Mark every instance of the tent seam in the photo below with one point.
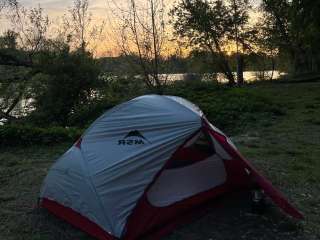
(180, 104)
(88, 176)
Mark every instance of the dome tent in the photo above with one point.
(143, 163)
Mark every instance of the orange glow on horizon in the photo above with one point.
(107, 45)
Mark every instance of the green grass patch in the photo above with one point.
(230, 109)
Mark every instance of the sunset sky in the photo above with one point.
(57, 7)
(100, 10)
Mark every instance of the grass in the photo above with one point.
(231, 109)
(286, 148)
(288, 151)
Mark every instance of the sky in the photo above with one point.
(54, 6)
(55, 9)
(100, 10)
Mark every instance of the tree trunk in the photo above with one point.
(14, 103)
(223, 62)
(273, 68)
(155, 49)
(7, 116)
(240, 79)
(227, 72)
(300, 61)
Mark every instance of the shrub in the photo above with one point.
(12, 135)
(86, 114)
(69, 79)
(230, 109)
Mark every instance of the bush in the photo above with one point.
(112, 92)
(69, 79)
(233, 110)
(86, 114)
(12, 135)
(230, 109)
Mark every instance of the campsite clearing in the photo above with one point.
(286, 149)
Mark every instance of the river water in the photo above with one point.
(249, 76)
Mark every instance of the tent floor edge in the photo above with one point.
(190, 216)
(76, 219)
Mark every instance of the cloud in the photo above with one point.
(56, 8)
(47, 4)
(59, 4)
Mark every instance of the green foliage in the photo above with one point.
(202, 62)
(113, 91)
(12, 135)
(86, 114)
(292, 27)
(123, 87)
(201, 22)
(230, 109)
(215, 25)
(12, 84)
(70, 79)
(8, 40)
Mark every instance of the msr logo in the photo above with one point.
(133, 138)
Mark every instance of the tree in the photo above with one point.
(7, 3)
(9, 83)
(13, 86)
(18, 47)
(9, 40)
(266, 48)
(68, 80)
(242, 32)
(293, 27)
(141, 27)
(31, 25)
(79, 28)
(206, 25)
(312, 36)
(215, 25)
(48, 72)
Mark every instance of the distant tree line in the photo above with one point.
(197, 61)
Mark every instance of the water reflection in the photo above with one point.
(249, 76)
